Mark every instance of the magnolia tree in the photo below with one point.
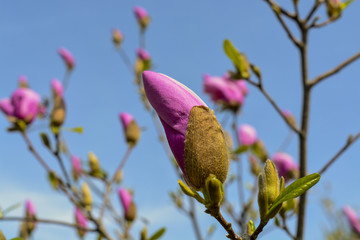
(200, 149)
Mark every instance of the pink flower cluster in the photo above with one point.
(225, 90)
(247, 135)
(24, 104)
(285, 165)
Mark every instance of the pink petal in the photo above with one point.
(125, 198)
(247, 135)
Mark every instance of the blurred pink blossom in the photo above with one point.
(125, 198)
(76, 165)
(23, 81)
(247, 135)
(6, 107)
(140, 13)
(25, 104)
(126, 119)
(29, 207)
(143, 54)
(67, 57)
(352, 218)
(285, 164)
(57, 87)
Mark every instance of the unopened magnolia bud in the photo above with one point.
(272, 181)
(94, 165)
(131, 129)
(259, 150)
(142, 17)
(205, 148)
(58, 113)
(119, 175)
(214, 190)
(143, 234)
(254, 165)
(130, 215)
(117, 37)
(244, 69)
(262, 196)
(23, 81)
(86, 196)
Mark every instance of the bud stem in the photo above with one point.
(258, 230)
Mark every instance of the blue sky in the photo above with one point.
(185, 40)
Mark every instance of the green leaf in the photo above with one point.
(17, 238)
(345, 4)
(241, 149)
(239, 59)
(45, 140)
(158, 234)
(53, 180)
(75, 129)
(294, 190)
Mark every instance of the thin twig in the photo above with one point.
(273, 103)
(349, 142)
(126, 59)
(61, 163)
(112, 180)
(215, 212)
(286, 229)
(192, 214)
(313, 10)
(282, 10)
(48, 221)
(334, 70)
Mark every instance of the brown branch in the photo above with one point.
(48, 221)
(278, 11)
(334, 70)
(258, 230)
(110, 183)
(286, 229)
(282, 10)
(313, 10)
(215, 212)
(349, 142)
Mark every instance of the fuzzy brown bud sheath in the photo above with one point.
(205, 148)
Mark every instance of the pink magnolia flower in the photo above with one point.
(126, 119)
(143, 54)
(247, 135)
(76, 166)
(29, 208)
(172, 101)
(57, 87)
(140, 13)
(67, 57)
(224, 89)
(289, 116)
(285, 164)
(23, 81)
(125, 198)
(25, 104)
(80, 220)
(352, 218)
(6, 107)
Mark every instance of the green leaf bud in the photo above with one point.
(272, 181)
(215, 190)
(262, 196)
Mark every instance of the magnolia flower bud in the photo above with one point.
(67, 57)
(259, 150)
(6, 107)
(289, 117)
(224, 90)
(143, 234)
(117, 37)
(95, 169)
(25, 104)
(247, 135)
(142, 17)
(214, 190)
(58, 112)
(30, 212)
(23, 81)
(203, 151)
(131, 129)
(285, 165)
(86, 196)
(352, 218)
(76, 167)
(205, 148)
(80, 220)
(128, 205)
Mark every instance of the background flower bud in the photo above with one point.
(58, 112)
(272, 181)
(86, 196)
(67, 57)
(205, 148)
(127, 204)
(142, 17)
(80, 220)
(289, 117)
(162, 92)
(143, 54)
(95, 169)
(131, 129)
(76, 167)
(247, 135)
(285, 165)
(262, 196)
(25, 103)
(117, 37)
(23, 81)
(352, 218)
(57, 87)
